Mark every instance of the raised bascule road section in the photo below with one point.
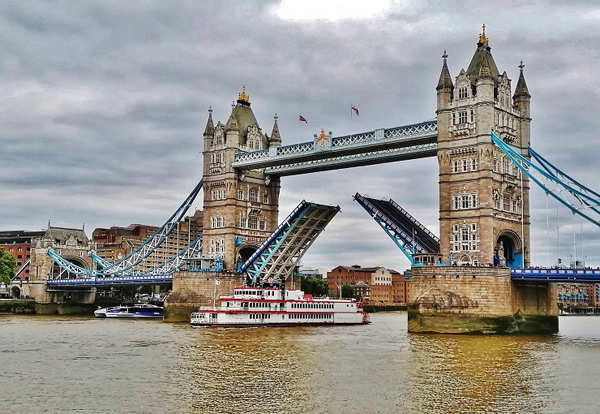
(274, 261)
(407, 232)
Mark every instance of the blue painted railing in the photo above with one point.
(554, 275)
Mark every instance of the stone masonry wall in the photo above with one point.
(194, 289)
(478, 300)
(475, 291)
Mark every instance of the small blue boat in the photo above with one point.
(140, 310)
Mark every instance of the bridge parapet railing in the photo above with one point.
(555, 271)
(412, 131)
(352, 139)
(243, 156)
(295, 148)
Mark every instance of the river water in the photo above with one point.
(71, 364)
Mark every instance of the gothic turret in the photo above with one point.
(445, 81)
(210, 129)
(521, 90)
(482, 63)
(242, 119)
(445, 87)
(275, 140)
(522, 102)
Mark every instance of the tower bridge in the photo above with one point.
(475, 277)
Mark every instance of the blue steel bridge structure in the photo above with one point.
(277, 256)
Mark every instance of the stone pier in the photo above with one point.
(478, 300)
(194, 289)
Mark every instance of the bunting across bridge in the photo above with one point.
(327, 153)
(275, 259)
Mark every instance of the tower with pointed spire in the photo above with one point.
(484, 200)
(240, 208)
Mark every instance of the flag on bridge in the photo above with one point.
(302, 119)
(354, 109)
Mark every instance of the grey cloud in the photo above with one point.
(105, 104)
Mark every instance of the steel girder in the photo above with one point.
(85, 277)
(365, 148)
(408, 243)
(154, 241)
(21, 269)
(275, 259)
(576, 197)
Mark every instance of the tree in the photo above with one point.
(8, 267)
(347, 291)
(314, 286)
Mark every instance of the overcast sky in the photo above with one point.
(104, 103)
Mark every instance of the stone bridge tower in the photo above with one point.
(240, 207)
(484, 200)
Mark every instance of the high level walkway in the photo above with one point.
(329, 153)
(406, 231)
(275, 259)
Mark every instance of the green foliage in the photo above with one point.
(8, 266)
(314, 286)
(347, 291)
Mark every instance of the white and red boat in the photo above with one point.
(273, 307)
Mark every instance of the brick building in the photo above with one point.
(377, 284)
(577, 295)
(18, 244)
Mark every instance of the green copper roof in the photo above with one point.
(244, 117)
(482, 63)
(522, 89)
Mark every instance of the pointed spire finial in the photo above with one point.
(445, 81)
(275, 139)
(521, 89)
(210, 129)
(243, 98)
(482, 37)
